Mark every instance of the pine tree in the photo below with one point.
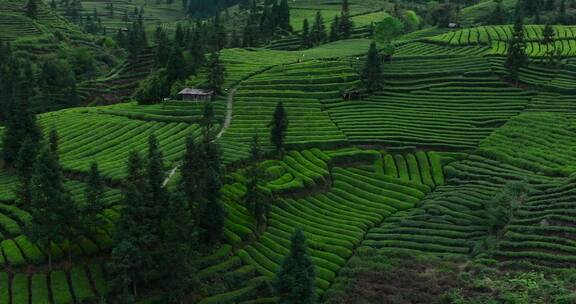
(94, 195)
(256, 197)
(278, 127)
(516, 57)
(562, 18)
(284, 16)
(24, 170)
(126, 262)
(335, 29)
(32, 9)
(133, 263)
(180, 245)
(191, 173)
(548, 35)
(53, 142)
(346, 24)
(53, 212)
(318, 31)
(176, 66)
(306, 43)
(295, 280)
(162, 50)
(499, 15)
(371, 75)
(20, 121)
(155, 171)
(216, 72)
(212, 212)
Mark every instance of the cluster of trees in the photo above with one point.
(182, 56)
(549, 11)
(340, 28)
(206, 8)
(48, 84)
(134, 39)
(516, 52)
(160, 232)
(264, 23)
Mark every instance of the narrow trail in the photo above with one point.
(225, 126)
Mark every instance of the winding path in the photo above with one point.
(225, 126)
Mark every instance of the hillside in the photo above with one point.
(453, 182)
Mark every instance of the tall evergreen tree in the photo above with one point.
(126, 263)
(346, 24)
(24, 170)
(548, 35)
(94, 195)
(191, 173)
(53, 142)
(295, 280)
(371, 75)
(53, 212)
(20, 121)
(180, 245)
(318, 31)
(162, 49)
(256, 197)
(284, 16)
(278, 127)
(216, 73)
(32, 9)
(562, 17)
(335, 29)
(306, 42)
(176, 66)
(516, 57)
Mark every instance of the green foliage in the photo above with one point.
(294, 283)
(371, 75)
(278, 127)
(388, 30)
(516, 57)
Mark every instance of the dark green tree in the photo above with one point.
(548, 35)
(20, 121)
(295, 280)
(24, 170)
(346, 24)
(53, 142)
(216, 73)
(53, 212)
(191, 173)
(256, 198)
(498, 15)
(335, 29)
(94, 195)
(278, 127)
(126, 262)
(371, 75)
(318, 31)
(562, 18)
(180, 247)
(516, 57)
(176, 67)
(284, 16)
(32, 9)
(162, 49)
(306, 42)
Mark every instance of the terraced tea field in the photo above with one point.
(414, 169)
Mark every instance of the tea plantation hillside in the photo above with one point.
(433, 165)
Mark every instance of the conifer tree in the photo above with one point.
(371, 75)
(516, 57)
(94, 195)
(20, 121)
(318, 31)
(335, 29)
(212, 212)
(191, 173)
(155, 171)
(32, 9)
(176, 66)
(548, 35)
(180, 245)
(132, 262)
(162, 49)
(278, 127)
(306, 43)
(53, 212)
(256, 197)
(24, 170)
(562, 18)
(216, 72)
(295, 280)
(284, 16)
(53, 142)
(346, 24)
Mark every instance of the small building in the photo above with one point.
(196, 95)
